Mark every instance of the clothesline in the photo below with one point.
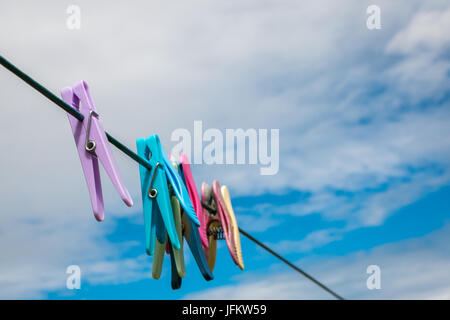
(59, 102)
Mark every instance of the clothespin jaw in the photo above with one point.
(158, 258)
(177, 256)
(186, 174)
(234, 227)
(92, 145)
(192, 236)
(176, 279)
(157, 208)
(220, 223)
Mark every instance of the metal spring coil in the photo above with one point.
(217, 232)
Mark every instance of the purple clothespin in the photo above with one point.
(93, 145)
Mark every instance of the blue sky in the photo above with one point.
(363, 116)
(409, 222)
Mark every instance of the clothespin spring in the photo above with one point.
(216, 232)
(152, 193)
(90, 144)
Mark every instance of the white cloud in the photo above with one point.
(410, 269)
(425, 32)
(313, 240)
(119, 271)
(257, 220)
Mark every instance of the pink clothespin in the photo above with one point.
(93, 145)
(193, 194)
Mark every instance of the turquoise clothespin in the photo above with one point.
(189, 232)
(158, 214)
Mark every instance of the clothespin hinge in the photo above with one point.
(152, 193)
(90, 144)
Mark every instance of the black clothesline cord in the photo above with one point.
(59, 102)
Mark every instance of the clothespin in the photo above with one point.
(185, 229)
(92, 145)
(190, 230)
(191, 233)
(186, 174)
(177, 256)
(158, 212)
(176, 278)
(178, 270)
(221, 223)
(234, 226)
(192, 236)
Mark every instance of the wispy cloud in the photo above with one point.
(313, 240)
(356, 111)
